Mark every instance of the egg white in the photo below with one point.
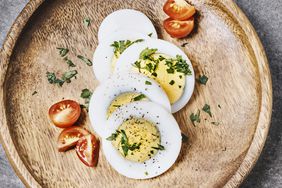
(170, 138)
(126, 19)
(106, 92)
(131, 54)
(102, 58)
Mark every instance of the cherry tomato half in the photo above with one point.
(87, 149)
(64, 113)
(179, 9)
(178, 29)
(69, 137)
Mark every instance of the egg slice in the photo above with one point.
(126, 19)
(126, 87)
(170, 140)
(107, 52)
(178, 85)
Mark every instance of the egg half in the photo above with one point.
(126, 19)
(119, 90)
(170, 67)
(170, 140)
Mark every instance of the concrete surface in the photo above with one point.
(266, 16)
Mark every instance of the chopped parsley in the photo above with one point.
(63, 51)
(35, 92)
(150, 34)
(120, 46)
(52, 79)
(159, 147)
(195, 117)
(182, 66)
(85, 60)
(116, 105)
(147, 52)
(184, 137)
(171, 82)
(113, 136)
(146, 173)
(67, 76)
(219, 106)
(206, 108)
(139, 97)
(137, 64)
(86, 21)
(86, 95)
(69, 62)
(148, 82)
(203, 79)
(125, 145)
(184, 44)
(215, 123)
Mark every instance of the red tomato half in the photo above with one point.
(87, 149)
(179, 9)
(64, 113)
(69, 137)
(178, 29)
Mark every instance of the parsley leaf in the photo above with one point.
(86, 95)
(52, 79)
(203, 79)
(207, 109)
(184, 44)
(150, 34)
(35, 92)
(69, 62)
(63, 51)
(125, 145)
(171, 82)
(120, 46)
(137, 64)
(139, 97)
(85, 60)
(182, 66)
(147, 52)
(159, 147)
(113, 136)
(67, 76)
(86, 21)
(148, 82)
(195, 117)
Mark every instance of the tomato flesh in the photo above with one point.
(64, 113)
(179, 9)
(87, 149)
(69, 137)
(178, 29)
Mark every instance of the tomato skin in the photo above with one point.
(178, 29)
(87, 149)
(179, 9)
(69, 137)
(64, 113)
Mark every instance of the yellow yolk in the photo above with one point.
(173, 84)
(139, 132)
(124, 98)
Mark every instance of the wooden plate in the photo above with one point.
(224, 46)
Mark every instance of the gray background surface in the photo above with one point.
(266, 17)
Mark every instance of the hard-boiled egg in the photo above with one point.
(165, 63)
(131, 138)
(126, 19)
(107, 52)
(121, 89)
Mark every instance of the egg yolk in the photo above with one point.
(138, 140)
(173, 83)
(123, 99)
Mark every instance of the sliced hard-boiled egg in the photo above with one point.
(126, 19)
(107, 52)
(145, 140)
(119, 90)
(165, 63)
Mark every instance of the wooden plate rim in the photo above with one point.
(265, 81)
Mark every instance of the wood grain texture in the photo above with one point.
(224, 46)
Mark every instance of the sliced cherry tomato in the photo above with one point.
(179, 9)
(178, 29)
(69, 137)
(64, 113)
(87, 149)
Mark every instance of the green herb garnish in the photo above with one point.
(215, 123)
(146, 173)
(116, 105)
(63, 51)
(120, 46)
(139, 97)
(148, 82)
(184, 44)
(184, 137)
(137, 64)
(159, 147)
(182, 66)
(113, 136)
(67, 76)
(52, 79)
(85, 60)
(86, 95)
(171, 82)
(35, 92)
(125, 145)
(147, 52)
(86, 21)
(69, 62)
(207, 109)
(150, 34)
(219, 106)
(203, 79)
(195, 117)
